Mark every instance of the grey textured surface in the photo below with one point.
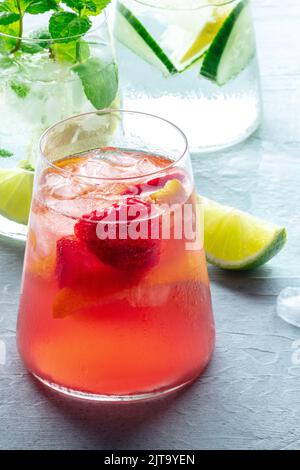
(249, 397)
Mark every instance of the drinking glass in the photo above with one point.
(44, 79)
(115, 302)
(191, 61)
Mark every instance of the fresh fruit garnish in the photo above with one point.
(83, 280)
(172, 193)
(133, 34)
(75, 264)
(203, 38)
(181, 45)
(185, 267)
(236, 240)
(232, 48)
(157, 182)
(119, 249)
(69, 301)
(133, 190)
(15, 193)
(160, 181)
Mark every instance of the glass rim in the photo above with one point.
(201, 4)
(53, 40)
(113, 179)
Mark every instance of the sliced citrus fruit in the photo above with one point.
(172, 193)
(15, 192)
(198, 39)
(236, 240)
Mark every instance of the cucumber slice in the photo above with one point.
(233, 47)
(132, 34)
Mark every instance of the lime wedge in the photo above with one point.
(236, 240)
(15, 193)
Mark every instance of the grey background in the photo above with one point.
(249, 397)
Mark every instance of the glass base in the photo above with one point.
(10, 229)
(113, 398)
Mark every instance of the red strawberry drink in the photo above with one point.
(115, 300)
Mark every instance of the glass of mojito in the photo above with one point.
(56, 60)
(194, 62)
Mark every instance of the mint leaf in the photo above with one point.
(9, 5)
(8, 18)
(78, 5)
(42, 38)
(66, 25)
(7, 40)
(36, 7)
(99, 81)
(88, 7)
(100, 5)
(5, 153)
(71, 51)
(21, 89)
(30, 48)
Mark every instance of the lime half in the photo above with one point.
(236, 240)
(15, 192)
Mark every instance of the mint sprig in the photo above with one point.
(63, 39)
(12, 15)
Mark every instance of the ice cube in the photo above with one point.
(288, 305)
(59, 186)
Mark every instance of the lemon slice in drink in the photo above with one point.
(204, 37)
(236, 240)
(15, 192)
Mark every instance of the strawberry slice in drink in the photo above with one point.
(161, 181)
(108, 234)
(83, 279)
(74, 262)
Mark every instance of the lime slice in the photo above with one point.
(236, 240)
(232, 48)
(15, 193)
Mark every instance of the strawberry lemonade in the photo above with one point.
(108, 316)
